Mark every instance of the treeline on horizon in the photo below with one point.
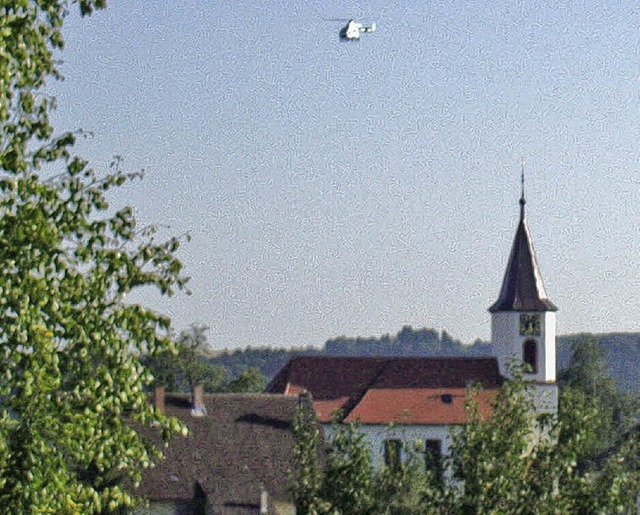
(620, 350)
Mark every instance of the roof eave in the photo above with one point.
(543, 305)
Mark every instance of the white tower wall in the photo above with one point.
(508, 343)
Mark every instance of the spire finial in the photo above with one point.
(522, 200)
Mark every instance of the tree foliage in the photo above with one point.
(70, 382)
(490, 457)
(516, 461)
(250, 380)
(337, 476)
(521, 461)
(587, 376)
(407, 488)
(348, 483)
(179, 369)
(307, 475)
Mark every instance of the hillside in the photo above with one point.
(622, 350)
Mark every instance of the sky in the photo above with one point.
(353, 188)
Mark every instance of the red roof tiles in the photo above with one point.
(416, 406)
(389, 390)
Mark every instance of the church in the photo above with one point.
(398, 400)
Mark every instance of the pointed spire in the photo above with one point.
(522, 287)
(522, 200)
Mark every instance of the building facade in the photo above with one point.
(419, 399)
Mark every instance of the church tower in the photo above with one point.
(523, 319)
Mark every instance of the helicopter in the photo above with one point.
(352, 30)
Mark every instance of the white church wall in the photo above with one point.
(410, 434)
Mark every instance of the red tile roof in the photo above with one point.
(417, 406)
(389, 390)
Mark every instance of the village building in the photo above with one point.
(236, 459)
(394, 400)
(417, 399)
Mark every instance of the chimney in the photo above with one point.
(197, 397)
(264, 501)
(158, 397)
(305, 399)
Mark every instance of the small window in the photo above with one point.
(530, 355)
(433, 457)
(447, 398)
(392, 450)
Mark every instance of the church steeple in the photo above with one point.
(522, 286)
(523, 324)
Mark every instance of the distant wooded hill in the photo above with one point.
(621, 349)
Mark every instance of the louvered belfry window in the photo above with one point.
(530, 355)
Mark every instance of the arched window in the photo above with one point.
(530, 355)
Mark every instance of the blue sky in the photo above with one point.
(352, 188)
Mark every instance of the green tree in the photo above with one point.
(408, 488)
(588, 483)
(517, 461)
(181, 368)
(250, 380)
(348, 476)
(588, 375)
(490, 457)
(338, 477)
(71, 383)
(334, 477)
(307, 473)
(587, 368)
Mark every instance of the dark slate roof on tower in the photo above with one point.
(522, 287)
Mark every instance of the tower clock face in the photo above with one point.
(530, 325)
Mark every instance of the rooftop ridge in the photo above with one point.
(391, 357)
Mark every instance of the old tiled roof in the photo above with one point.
(333, 382)
(417, 406)
(522, 287)
(243, 443)
(385, 390)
